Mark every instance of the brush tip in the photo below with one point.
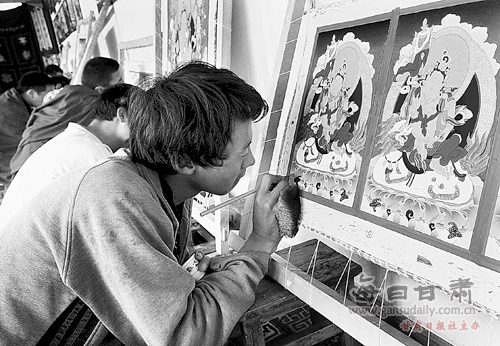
(289, 211)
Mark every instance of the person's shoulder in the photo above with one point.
(78, 135)
(79, 89)
(118, 174)
(13, 106)
(73, 129)
(70, 137)
(10, 95)
(75, 99)
(51, 95)
(115, 170)
(10, 91)
(73, 92)
(80, 143)
(76, 145)
(119, 166)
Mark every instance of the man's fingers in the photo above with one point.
(204, 263)
(266, 183)
(277, 189)
(272, 184)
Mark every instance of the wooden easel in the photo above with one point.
(91, 42)
(217, 223)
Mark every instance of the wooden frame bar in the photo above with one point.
(338, 309)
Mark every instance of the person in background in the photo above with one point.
(77, 146)
(60, 81)
(72, 103)
(104, 246)
(16, 105)
(57, 75)
(53, 70)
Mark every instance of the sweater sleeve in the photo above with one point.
(120, 262)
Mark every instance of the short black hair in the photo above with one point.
(111, 99)
(53, 70)
(60, 80)
(33, 80)
(189, 116)
(97, 72)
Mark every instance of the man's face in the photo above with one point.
(37, 97)
(221, 180)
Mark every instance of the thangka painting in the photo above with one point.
(187, 31)
(197, 30)
(389, 125)
(338, 104)
(434, 140)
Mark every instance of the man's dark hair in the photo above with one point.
(189, 115)
(98, 71)
(111, 99)
(53, 70)
(33, 80)
(60, 81)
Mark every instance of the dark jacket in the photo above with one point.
(73, 103)
(14, 114)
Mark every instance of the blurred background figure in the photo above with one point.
(53, 70)
(72, 103)
(77, 146)
(16, 105)
(57, 75)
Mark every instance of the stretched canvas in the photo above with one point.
(388, 124)
(331, 135)
(434, 140)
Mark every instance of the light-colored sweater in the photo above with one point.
(73, 148)
(106, 235)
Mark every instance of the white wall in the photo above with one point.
(134, 19)
(256, 30)
(255, 38)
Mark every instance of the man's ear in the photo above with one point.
(99, 89)
(186, 167)
(121, 113)
(31, 93)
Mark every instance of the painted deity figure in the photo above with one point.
(331, 132)
(431, 150)
(186, 41)
(330, 117)
(432, 115)
(431, 130)
(334, 109)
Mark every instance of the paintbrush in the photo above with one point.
(289, 208)
(234, 199)
(229, 201)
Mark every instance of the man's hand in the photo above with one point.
(203, 261)
(197, 265)
(265, 234)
